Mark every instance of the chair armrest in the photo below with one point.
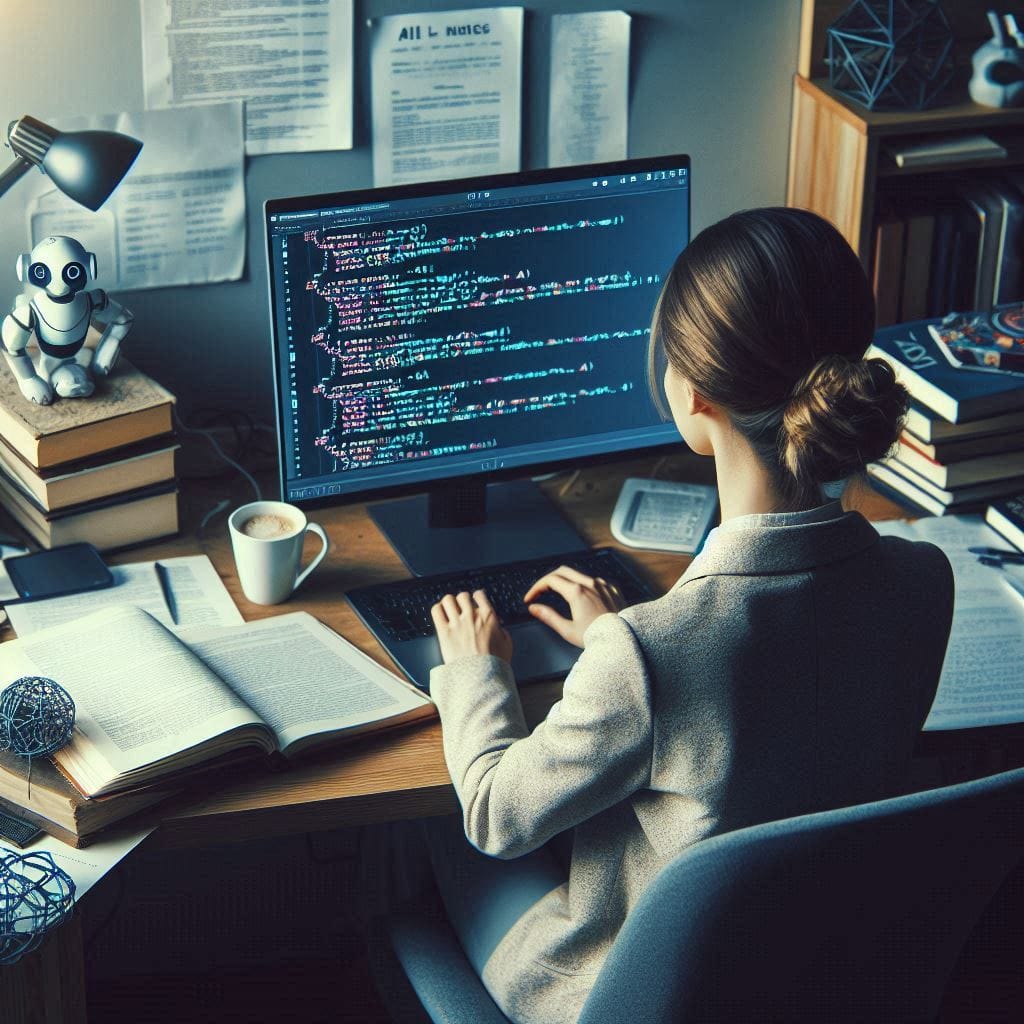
(442, 977)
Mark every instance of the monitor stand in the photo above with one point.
(468, 524)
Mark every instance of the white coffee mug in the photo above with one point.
(267, 558)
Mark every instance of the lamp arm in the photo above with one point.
(13, 172)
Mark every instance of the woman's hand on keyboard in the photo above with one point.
(467, 624)
(587, 598)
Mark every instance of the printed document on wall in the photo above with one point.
(178, 217)
(446, 94)
(290, 61)
(588, 118)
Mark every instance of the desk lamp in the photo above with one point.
(85, 166)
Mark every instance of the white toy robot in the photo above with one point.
(58, 314)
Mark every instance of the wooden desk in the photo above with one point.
(382, 777)
(402, 774)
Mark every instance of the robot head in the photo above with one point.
(58, 264)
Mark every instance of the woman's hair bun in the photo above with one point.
(841, 416)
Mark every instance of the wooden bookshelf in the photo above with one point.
(837, 164)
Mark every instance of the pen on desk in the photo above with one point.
(1002, 554)
(165, 588)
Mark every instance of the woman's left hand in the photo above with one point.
(467, 624)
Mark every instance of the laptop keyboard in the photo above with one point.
(402, 608)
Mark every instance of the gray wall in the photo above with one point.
(711, 78)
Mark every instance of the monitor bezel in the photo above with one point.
(418, 190)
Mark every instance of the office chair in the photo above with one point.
(856, 914)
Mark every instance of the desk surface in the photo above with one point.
(400, 774)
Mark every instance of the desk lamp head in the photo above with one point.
(86, 166)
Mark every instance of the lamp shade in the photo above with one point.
(88, 166)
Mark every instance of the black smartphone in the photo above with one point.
(68, 569)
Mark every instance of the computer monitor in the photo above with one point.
(432, 339)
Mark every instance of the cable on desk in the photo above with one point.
(219, 450)
(224, 503)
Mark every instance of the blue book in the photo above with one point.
(957, 395)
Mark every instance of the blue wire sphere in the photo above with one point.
(35, 896)
(37, 716)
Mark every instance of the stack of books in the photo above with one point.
(963, 443)
(956, 243)
(98, 469)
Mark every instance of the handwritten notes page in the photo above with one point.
(446, 94)
(588, 119)
(982, 679)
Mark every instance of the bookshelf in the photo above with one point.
(838, 166)
(931, 238)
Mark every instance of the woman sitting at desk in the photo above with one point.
(788, 671)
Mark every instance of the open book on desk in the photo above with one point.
(152, 703)
(982, 681)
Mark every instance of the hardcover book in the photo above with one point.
(989, 342)
(977, 470)
(931, 428)
(1006, 517)
(127, 407)
(899, 479)
(108, 523)
(930, 378)
(100, 476)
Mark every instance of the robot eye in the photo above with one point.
(39, 274)
(73, 273)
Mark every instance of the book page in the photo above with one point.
(197, 597)
(302, 678)
(982, 682)
(140, 694)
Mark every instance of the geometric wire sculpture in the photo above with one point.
(37, 716)
(35, 897)
(890, 54)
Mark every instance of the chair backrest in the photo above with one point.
(852, 914)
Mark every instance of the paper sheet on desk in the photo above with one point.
(86, 867)
(178, 217)
(446, 94)
(982, 680)
(290, 61)
(588, 116)
(197, 592)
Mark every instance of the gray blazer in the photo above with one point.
(788, 670)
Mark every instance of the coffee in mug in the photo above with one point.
(266, 525)
(266, 537)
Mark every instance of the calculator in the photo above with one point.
(662, 515)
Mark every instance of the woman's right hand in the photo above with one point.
(587, 598)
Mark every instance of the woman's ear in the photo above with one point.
(695, 402)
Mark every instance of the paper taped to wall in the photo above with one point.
(178, 217)
(588, 116)
(290, 61)
(446, 94)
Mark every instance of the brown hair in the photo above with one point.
(768, 314)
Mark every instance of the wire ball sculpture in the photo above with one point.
(37, 716)
(35, 896)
